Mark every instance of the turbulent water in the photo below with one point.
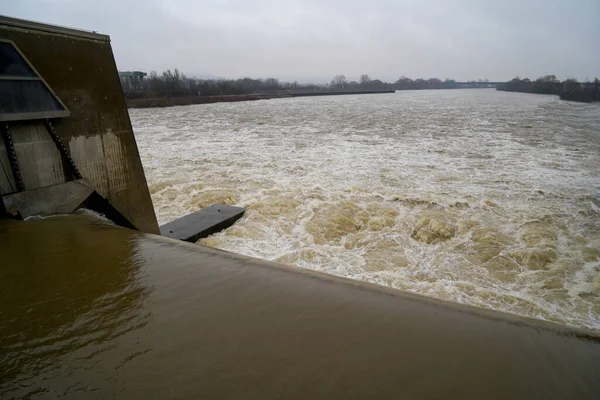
(474, 196)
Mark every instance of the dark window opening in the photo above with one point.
(12, 64)
(24, 95)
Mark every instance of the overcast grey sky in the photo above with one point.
(315, 40)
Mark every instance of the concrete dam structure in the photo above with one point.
(65, 127)
(93, 310)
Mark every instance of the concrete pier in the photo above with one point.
(76, 89)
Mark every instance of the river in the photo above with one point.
(475, 196)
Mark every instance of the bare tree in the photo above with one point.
(339, 82)
(271, 84)
(404, 83)
(570, 84)
(548, 79)
(365, 79)
(154, 81)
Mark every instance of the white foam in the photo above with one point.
(464, 155)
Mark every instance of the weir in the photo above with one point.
(224, 325)
(140, 316)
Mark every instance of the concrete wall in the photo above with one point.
(80, 68)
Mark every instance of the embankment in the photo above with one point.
(582, 94)
(339, 93)
(168, 101)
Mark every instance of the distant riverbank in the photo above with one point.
(173, 88)
(167, 101)
(580, 95)
(569, 90)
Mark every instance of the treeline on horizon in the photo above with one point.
(547, 84)
(569, 89)
(174, 84)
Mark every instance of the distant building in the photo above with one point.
(132, 81)
(134, 75)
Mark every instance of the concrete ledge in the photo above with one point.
(202, 223)
(62, 30)
(63, 198)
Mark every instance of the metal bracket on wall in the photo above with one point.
(12, 157)
(61, 148)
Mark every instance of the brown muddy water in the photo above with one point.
(475, 196)
(93, 311)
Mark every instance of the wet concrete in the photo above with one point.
(62, 198)
(90, 310)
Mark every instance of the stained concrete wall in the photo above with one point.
(80, 68)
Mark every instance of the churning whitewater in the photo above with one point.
(474, 196)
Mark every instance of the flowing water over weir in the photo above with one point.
(475, 196)
(94, 311)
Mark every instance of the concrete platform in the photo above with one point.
(202, 223)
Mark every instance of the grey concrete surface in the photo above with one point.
(62, 198)
(202, 223)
